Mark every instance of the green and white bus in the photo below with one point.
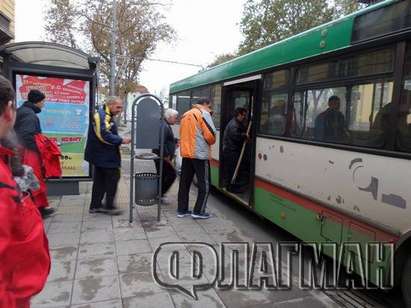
(351, 189)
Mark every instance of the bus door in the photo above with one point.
(238, 166)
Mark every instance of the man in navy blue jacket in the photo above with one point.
(103, 152)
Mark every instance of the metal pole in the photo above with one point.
(133, 125)
(113, 50)
(160, 180)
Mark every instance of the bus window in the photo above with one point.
(273, 117)
(183, 102)
(240, 99)
(320, 115)
(404, 123)
(382, 21)
(369, 63)
(216, 104)
(297, 119)
(273, 114)
(200, 93)
(370, 115)
(276, 80)
(173, 102)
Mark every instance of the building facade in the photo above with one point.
(7, 18)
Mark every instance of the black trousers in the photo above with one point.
(169, 175)
(201, 168)
(105, 182)
(230, 160)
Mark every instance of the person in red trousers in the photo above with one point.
(24, 254)
(27, 127)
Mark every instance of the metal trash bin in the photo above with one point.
(146, 133)
(146, 188)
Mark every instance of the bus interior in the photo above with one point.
(239, 184)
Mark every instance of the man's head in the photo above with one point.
(334, 102)
(114, 104)
(170, 115)
(37, 98)
(205, 101)
(240, 114)
(7, 107)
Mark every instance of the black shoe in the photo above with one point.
(237, 189)
(111, 211)
(47, 211)
(94, 210)
(200, 216)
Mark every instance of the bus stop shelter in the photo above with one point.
(68, 77)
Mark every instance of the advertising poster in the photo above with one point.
(65, 116)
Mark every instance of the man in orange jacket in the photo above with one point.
(24, 255)
(197, 134)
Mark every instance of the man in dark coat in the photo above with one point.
(169, 173)
(235, 133)
(103, 152)
(330, 124)
(26, 127)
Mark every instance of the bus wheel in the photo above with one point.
(406, 283)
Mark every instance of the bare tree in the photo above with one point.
(87, 25)
(222, 58)
(61, 24)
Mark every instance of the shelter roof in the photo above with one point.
(46, 53)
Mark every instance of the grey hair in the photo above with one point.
(112, 99)
(168, 113)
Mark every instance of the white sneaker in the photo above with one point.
(182, 215)
(165, 201)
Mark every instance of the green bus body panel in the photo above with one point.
(319, 40)
(214, 176)
(304, 224)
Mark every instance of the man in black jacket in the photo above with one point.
(235, 133)
(27, 126)
(103, 152)
(169, 173)
(330, 124)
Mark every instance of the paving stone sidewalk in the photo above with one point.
(103, 261)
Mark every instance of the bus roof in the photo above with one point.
(322, 39)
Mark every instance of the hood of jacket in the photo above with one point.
(32, 106)
(202, 107)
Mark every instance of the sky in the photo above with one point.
(205, 29)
